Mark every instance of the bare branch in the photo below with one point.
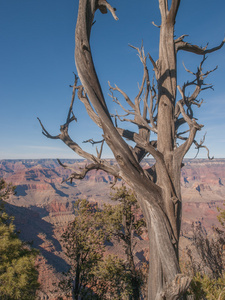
(104, 3)
(64, 136)
(193, 128)
(153, 23)
(92, 166)
(155, 68)
(139, 120)
(180, 152)
(88, 77)
(173, 10)
(69, 118)
(179, 135)
(185, 116)
(99, 153)
(199, 85)
(180, 39)
(91, 141)
(75, 147)
(116, 88)
(139, 150)
(181, 45)
(141, 142)
(84, 99)
(45, 132)
(187, 70)
(145, 77)
(128, 112)
(200, 145)
(127, 134)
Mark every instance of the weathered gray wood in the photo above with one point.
(160, 200)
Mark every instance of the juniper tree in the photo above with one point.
(158, 112)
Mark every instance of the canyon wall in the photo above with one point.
(43, 205)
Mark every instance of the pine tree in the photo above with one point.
(123, 223)
(18, 274)
(83, 241)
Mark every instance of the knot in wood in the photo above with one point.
(175, 289)
(107, 139)
(63, 127)
(175, 199)
(119, 159)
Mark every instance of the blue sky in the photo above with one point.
(37, 65)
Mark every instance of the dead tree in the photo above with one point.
(156, 109)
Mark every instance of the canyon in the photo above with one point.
(43, 205)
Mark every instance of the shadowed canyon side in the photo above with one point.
(43, 205)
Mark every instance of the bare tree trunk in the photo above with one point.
(157, 201)
(163, 258)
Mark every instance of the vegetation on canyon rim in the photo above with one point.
(158, 112)
(97, 276)
(93, 274)
(18, 273)
(205, 263)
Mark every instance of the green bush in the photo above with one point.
(18, 273)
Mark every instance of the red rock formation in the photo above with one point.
(46, 206)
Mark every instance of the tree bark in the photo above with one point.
(157, 201)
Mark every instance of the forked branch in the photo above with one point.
(146, 95)
(98, 163)
(113, 170)
(180, 152)
(188, 100)
(180, 44)
(200, 145)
